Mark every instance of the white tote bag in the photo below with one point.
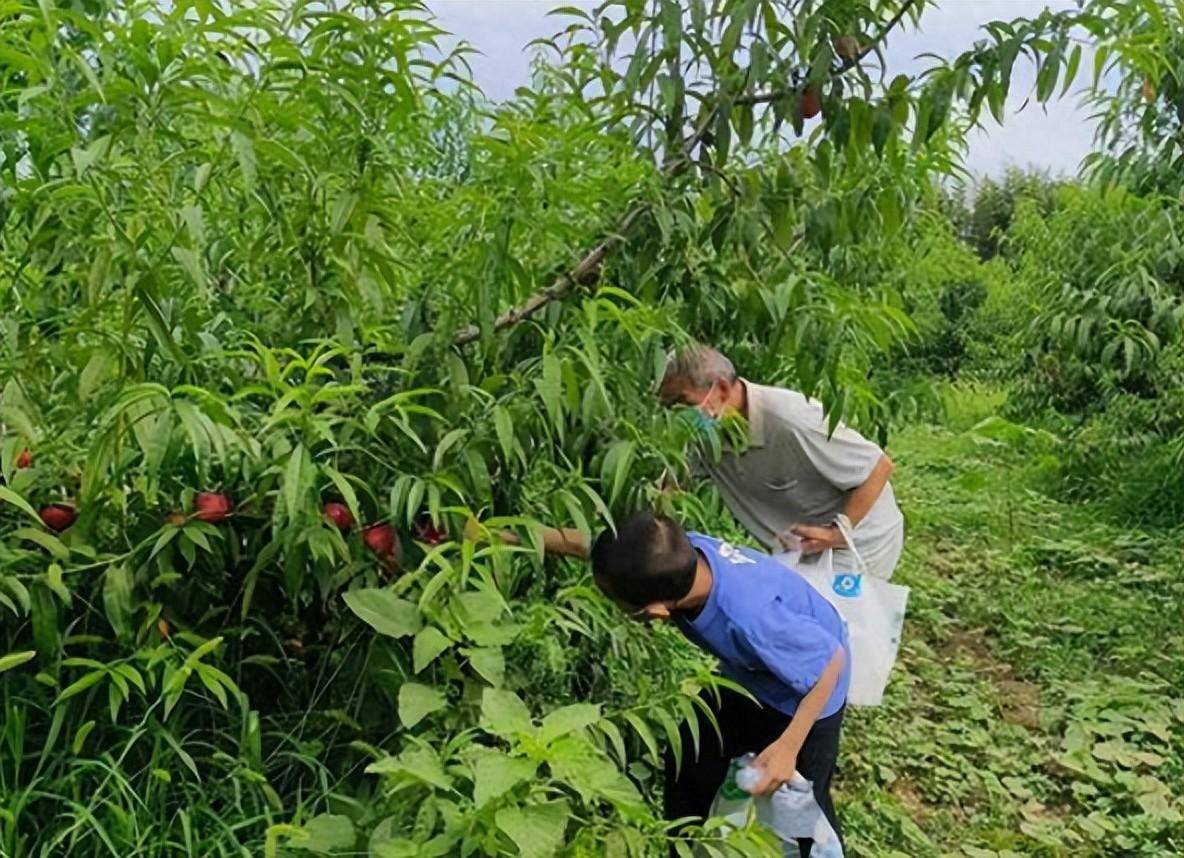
(873, 610)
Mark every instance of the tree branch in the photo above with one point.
(843, 67)
(589, 265)
(586, 268)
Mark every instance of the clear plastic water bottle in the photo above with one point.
(748, 773)
(791, 811)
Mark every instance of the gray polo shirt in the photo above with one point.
(792, 473)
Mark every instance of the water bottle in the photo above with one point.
(732, 801)
(791, 811)
(748, 774)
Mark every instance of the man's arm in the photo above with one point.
(778, 762)
(863, 498)
(860, 500)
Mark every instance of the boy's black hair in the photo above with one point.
(648, 559)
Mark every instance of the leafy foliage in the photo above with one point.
(282, 254)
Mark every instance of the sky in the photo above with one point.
(1054, 137)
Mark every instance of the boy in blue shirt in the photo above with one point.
(772, 633)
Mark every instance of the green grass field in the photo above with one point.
(1035, 710)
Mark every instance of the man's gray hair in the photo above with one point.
(697, 367)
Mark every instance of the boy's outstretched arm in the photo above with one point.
(778, 762)
(557, 541)
(565, 542)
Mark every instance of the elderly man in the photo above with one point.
(795, 478)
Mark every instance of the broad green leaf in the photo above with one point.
(421, 764)
(417, 701)
(480, 606)
(590, 773)
(567, 720)
(495, 773)
(429, 643)
(504, 713)
(490, 662)
(325, 834)
(385, 611)
(536, 830)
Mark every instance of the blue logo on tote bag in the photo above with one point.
(847, 585)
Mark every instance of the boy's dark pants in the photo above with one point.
(747, 727)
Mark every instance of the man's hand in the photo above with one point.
(778, 764)
(817, 538)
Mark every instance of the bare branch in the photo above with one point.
(584, 271)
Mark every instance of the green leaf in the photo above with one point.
(590, 773)
(346, 490)
(505, 432)
(53, 580)
(191, 263)
(504, 714)
(446, 443)
(46, 621)
(325, 834)
(7, 495)
(417, 701)
(421, 764)
(46, 540)
(293, 484)
(551, 390)
(80, 685)
(429, 643)
(16, 659)
(158, 324)
(567, 720)
(644, 733)
(117, 600)
(385, 612)
(93, 374)
(489, 662)
(1071, 70)
(616, 467)
(537, 830)
(496, 773)
(80, 737)
(245, 152)
(343, 210)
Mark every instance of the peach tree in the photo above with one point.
(292, 317)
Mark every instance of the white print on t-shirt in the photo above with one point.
(733, 554)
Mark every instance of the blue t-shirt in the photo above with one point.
(771, 631)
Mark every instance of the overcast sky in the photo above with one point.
(1055, 138)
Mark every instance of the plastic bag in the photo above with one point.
(873, 610)
(791, 812)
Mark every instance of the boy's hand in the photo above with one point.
(778, 764)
